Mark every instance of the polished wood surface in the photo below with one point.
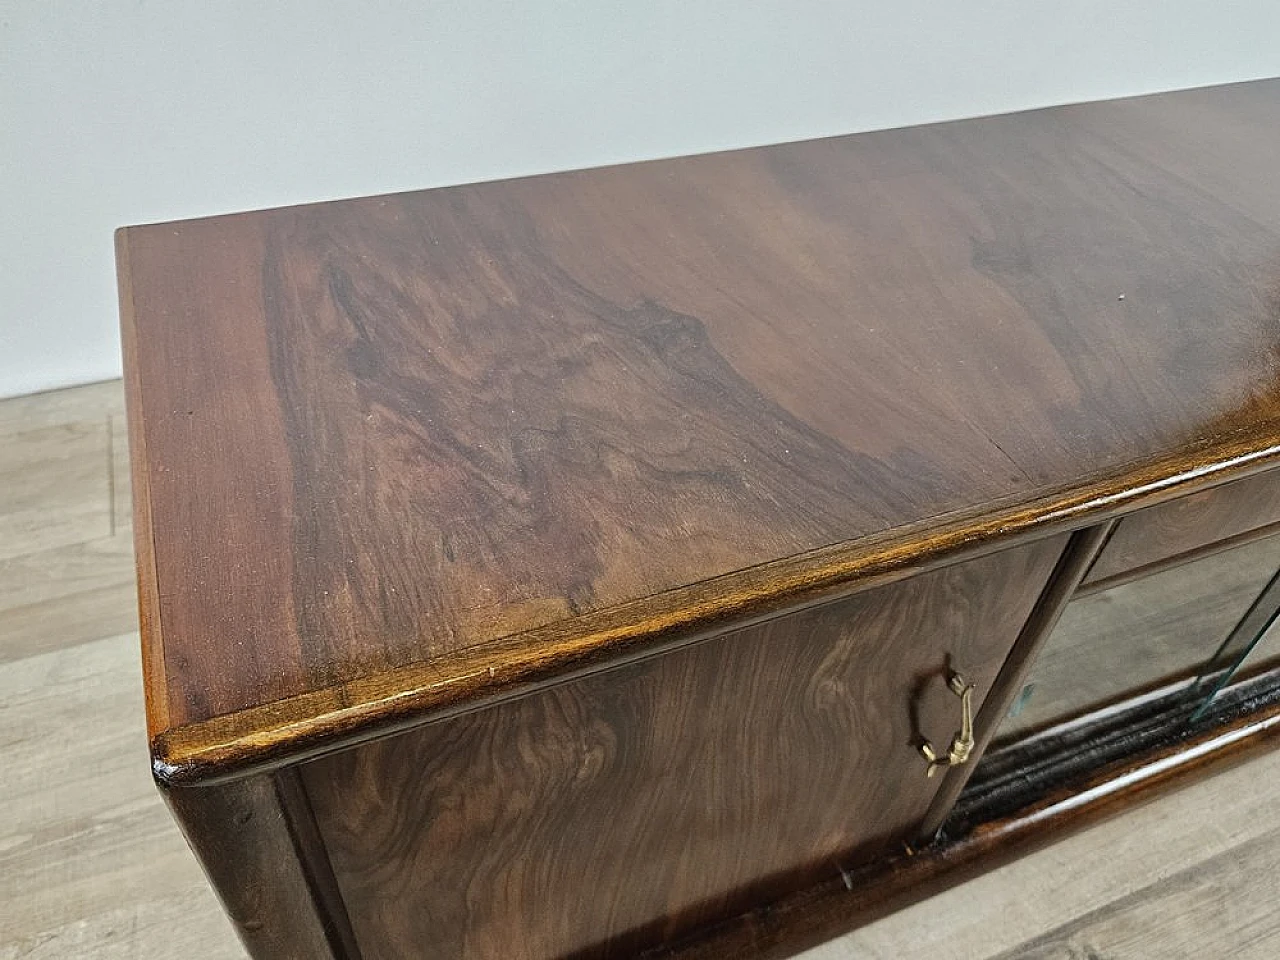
(92, 865)
(1079, 554)
(672, 792)
(1188, 525)
(395, 454)
(297, 728)
(253, 839)
(827, 909)
(1119, 863)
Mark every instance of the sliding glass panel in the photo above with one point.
(1165, 629)
(1266, 655)
(1247, 642)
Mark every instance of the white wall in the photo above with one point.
(125, 111)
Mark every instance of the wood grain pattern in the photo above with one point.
(1078, 555)
(808, 917)
(300, 727)
(1139, 635)
(431, 424)
(674, 791)
(1082, 873)
(249, 837)
(92, 865)
(1188, 524)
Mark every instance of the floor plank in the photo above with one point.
(93, 401)
(91, 864)
(121, 500)
(56, 486)
(86, 844)
(66, 595)
(1224, 907)
(182, 923)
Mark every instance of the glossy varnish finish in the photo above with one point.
(91, 864)
(626, 808)
(1078, 555)
(256, 841)
(826, 910)
(397, 433)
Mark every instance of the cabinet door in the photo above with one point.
(619, 810)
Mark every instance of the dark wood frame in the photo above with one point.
(256, 834)
(257, 841)
(260, 739)
(1048, 808)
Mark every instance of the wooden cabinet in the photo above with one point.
(673, 792)
(578, 565)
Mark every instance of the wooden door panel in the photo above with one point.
(621, 809)
(1189, 524)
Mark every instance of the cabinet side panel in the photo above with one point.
(245, 835)
(624, 809)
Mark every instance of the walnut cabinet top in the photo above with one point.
(401, 456)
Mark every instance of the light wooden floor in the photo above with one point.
(91, 866)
